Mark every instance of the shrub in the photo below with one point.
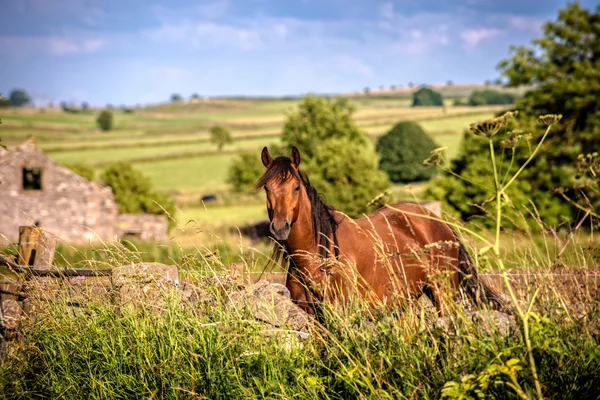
(402, 151)
(133, 191)
(427, 97)
(491, 97)
(105, 120)
(244, 171)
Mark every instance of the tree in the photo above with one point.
(562, 71)
(490, 97)
(85, 106)
(175, 98)
(336, 154)
(19, 98)
(195, 96)
(133, 191)
(427, 97)
(220, 136)
(4, 102)
(319, 119)
(244, 171)
(402, 151)
(105, 120)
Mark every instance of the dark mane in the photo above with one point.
(323, 217)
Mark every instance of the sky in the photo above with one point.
(142, 51)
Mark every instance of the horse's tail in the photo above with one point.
(470, 282)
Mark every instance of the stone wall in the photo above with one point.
(144, 227)
(67, 205)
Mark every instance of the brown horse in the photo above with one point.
(388, 256)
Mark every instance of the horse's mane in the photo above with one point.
(323, 218)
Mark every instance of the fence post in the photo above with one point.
(35, 248)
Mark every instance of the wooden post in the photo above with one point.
(35, 248)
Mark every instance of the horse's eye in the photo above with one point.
(297, 188)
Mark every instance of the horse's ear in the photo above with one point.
(295, 157)
(266, 158)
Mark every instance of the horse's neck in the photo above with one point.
(301, 243)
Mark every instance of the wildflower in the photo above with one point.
(436, 157)
(549, 119)
(492, 126)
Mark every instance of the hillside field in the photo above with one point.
(170, 143)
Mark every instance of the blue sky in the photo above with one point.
(134, 51)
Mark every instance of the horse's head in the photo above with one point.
(283, 185)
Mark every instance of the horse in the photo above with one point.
(390, 256)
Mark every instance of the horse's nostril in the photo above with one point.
(287, 224)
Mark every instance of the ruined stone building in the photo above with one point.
(34, 189)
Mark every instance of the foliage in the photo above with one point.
(105, 120)
(19, 98)
(490, 97)
(84, 170)
(563, 74)
(220, 136)
(85, 106)
(402, 151)
(335, 152)
(175, 97)
(244, 171)
(133, 191)
(427, 97)
(4, 102)
(346, 174)
(318, 120)
(194, 96)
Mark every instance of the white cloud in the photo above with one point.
(472, 37)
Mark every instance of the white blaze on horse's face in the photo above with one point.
(282, 197)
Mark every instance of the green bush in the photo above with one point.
(105, 120)
(244, 171)
(491, 97)
(133, 191)
(402, 151)
(425, 97)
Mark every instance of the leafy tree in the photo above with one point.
(245, 171)
(562, 71)
(345, 172)
(84, 170)
(133, 191)
(195, 96)
(175, 97)
(490, 97)
(105, 120)
(319, 119)
(220, 136)
(402, 151)
(19, 98)
(336, 154)
(427, 97)
(4, 102)
(85, 106)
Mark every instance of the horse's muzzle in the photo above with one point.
(282, 233)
